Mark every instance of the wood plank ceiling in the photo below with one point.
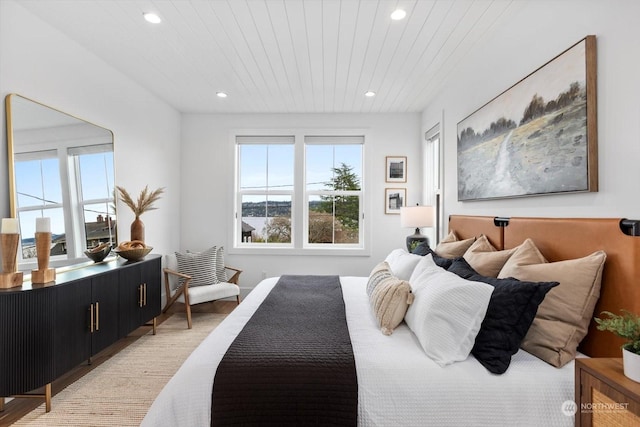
(281, 56)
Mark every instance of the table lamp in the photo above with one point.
(416, 217)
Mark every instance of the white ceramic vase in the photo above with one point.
(631, 363)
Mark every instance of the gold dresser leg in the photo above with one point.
(155, 324)
(47, 397)
(1, 404)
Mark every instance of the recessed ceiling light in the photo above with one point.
(221, 94)
(398, 14)
(369, 93)
(152, 17)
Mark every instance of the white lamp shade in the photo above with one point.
(416, 216)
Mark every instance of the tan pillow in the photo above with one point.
(563, 317)
(525, 254)
(485, 259)
(390, 299)
(451, 237)
(451, 247)
(381, 271)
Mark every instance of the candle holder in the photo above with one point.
(10, 277)
(43, 274)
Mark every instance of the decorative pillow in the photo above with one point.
(379, 272)
(201, 266)
(525, 254)
(423, 249)
(485, 259)
(563, 317)
(451, 247)
(402, 263)
(446, 314)
(221, 271)
(512, 308)
(390, 299)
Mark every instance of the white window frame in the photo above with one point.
(334, 140)
(75, 232)
(237, 227)
(433, 179)
(299, 200)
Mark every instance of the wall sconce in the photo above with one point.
(416, 217)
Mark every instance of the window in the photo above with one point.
(318, 205)
(432, 161)
(333, 190)
(41, 184)
(39, 193)
(95, 183)
(265, 195)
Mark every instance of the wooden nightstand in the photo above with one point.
(605, 397)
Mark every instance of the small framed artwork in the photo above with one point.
(396, 169)
(394, 199)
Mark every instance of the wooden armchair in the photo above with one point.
(196, 294)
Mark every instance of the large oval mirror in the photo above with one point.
(60, 167)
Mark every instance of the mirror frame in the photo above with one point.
(13, 201)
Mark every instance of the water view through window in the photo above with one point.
(84, 185)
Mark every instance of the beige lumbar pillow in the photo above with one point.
(484, 258)
(563, 317)
(390, 299)
(452, 247)
(380, 272)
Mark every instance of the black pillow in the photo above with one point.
(512, 308)
(423, 249)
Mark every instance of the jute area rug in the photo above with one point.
(120, 391)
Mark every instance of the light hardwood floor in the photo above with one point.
(17, 408)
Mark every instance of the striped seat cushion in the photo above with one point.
(201, 266)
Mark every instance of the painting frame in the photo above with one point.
(394, 199)
(538, 137)
(395, 169)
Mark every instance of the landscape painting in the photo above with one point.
(537, 137)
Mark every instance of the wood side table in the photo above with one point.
(604, 395)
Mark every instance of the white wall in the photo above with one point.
(207, 184)
(39, 62)
(533, 33)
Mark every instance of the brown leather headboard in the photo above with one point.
(566, 238)
(466, 226)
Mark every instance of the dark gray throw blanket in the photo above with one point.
(293, 363)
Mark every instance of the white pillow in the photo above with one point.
(402, 263)
(446, 314)
(425, 266)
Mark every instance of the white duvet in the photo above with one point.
(398, 385)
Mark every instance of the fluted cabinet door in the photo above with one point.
(139, 294)
(26, 333)
(72, 326)
(151, 272)
(104, 295)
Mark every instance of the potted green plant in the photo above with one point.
(627, 326)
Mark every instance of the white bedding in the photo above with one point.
(398, 385)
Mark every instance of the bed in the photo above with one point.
(398, 385)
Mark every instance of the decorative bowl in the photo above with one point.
(133, 254)
(98, 256)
